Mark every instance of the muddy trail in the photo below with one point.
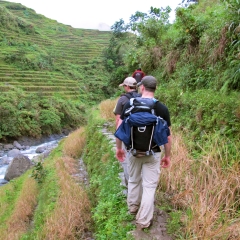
(158, 229)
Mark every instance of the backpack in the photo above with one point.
(141, 130)
(138, 76)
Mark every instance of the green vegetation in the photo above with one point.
(199, 50)
(39, 173)
(30, 115)
(50, 71)
(46, 87)
(59, 205)
(196, 62)
(203, 113)
(111, 219)
(212, 212)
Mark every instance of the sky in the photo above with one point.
(94, 14)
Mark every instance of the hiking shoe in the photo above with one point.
(133, 210)
(142, 227)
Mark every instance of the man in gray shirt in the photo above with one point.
(130, 87)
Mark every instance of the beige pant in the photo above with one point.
(144, 174)
(125, 165)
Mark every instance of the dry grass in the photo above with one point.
(220, 49)
(151, 58)
(74, 143)
(21, 217)
(171, 62)
(71, 216)
(156, 56)
(106, 109)
(211, 192)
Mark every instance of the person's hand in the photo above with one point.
(120, 155)
(165, 162)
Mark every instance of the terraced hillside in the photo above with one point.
(40, 55)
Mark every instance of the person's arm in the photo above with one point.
(118, 109)
(119, 122)
(117, 117)
(165, 162)
(120, 153)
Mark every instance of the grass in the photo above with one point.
(111, 220)
(49, 47)
(106, 108)
(14, 204)
(47, 60)
(206, 193)
(200, 195)
(74, 143)
(21, 217)
(71, 215)
(56, 207)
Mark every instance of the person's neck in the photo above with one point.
(147, 94)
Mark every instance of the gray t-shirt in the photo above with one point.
(123, 100)
(120, 104)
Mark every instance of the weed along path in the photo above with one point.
(158, 230)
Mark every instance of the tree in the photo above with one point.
(149, 27)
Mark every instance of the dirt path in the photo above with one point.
(157, 231)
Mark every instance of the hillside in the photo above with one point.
(40, 55)
(196, 63)
(49, 73)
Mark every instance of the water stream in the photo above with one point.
(30, 153)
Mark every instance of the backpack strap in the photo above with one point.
(153, 110)
(146, 108)
(132, 94)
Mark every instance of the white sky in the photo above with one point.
(94, 14)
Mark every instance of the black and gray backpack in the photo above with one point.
(140, 114)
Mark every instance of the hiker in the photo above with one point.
(130, 88)
(138, 75)
(144, 170)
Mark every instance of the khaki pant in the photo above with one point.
(125, 170)
(144, 174)
(125, 165)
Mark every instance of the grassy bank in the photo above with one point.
(199, 192)
(47, 202)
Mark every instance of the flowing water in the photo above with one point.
(30, 153)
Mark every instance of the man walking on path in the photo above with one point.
(144, 171)
(138, 75)
(130, 87)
